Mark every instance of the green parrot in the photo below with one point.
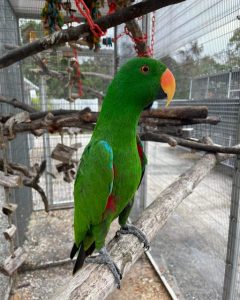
(112, 164)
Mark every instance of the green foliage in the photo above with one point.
(55, 61)
(36, 103)
(234, 49)
(188, 63)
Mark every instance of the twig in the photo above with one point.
(74, 33)
(88, 284)
(33, 183)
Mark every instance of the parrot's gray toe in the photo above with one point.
(105, 258)
(131, 229)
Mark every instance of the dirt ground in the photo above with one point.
(49, 238)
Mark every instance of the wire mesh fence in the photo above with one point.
(200, 44)
(62, 79)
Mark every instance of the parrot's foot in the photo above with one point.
(131, 229)
(104, 258)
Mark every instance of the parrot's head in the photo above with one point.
(143, 80)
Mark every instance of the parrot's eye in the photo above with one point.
(145, 69)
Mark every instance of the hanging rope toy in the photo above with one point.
(90, 11)
(74, 76)
(51, 16)
(112, 7)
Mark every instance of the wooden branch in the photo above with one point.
(135, 31)
(183, 115)
(62, 77)
(95, 281)
(34, 183)
(88, 89)
(29, 177)
(100, 75)
(156, 137)
(55, 120)
(10, 232)
(213, 120)
(12, 263)
(74, 33)
(9, 208)
(18, 104)
(177, 112)
(10, 181)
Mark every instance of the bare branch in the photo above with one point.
(100, 75)
(18, 104)
(177, 112)
(74, 33)
(30, 177)
(33, 183)
(156, 137)
(213, 120)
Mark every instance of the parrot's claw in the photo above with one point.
(104, 258)
(131, 229)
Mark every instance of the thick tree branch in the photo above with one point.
(74, 33)
(213, 120)
(95, 281)
(156, 137)
(177, 112)
(181, 114)
(55, 120)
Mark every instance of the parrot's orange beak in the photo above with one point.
(168, 85)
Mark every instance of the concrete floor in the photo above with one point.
(191, 248)
(49, 239)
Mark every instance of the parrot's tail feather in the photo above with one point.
(73, 251)
(90, 250)
(80, 259)
(82, 254)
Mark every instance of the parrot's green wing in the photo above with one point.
(92, 187)
(123, 216)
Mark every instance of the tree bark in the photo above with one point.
(95, 281)
(74, 33)
(177, 112)
(156, 137)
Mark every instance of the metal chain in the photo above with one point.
(153, 34)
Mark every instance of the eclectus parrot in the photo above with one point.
(112, 164)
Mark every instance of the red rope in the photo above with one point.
(112, 7)
(83, 9)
